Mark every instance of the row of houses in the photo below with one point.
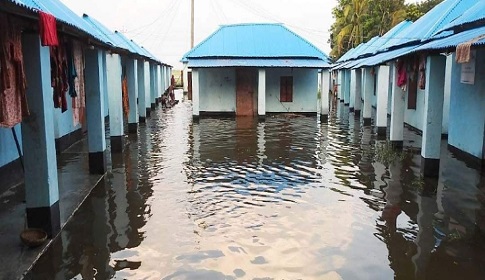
(63, 76)
(426, 75)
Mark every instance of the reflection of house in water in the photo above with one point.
(280, 152)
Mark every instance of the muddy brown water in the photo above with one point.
(288, 198)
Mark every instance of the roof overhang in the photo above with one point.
(257, 62)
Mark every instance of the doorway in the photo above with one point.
(244, 92)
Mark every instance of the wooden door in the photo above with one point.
(244, 93)
(189, 85)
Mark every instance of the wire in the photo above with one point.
(162, 14)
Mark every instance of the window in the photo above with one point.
(286, 89)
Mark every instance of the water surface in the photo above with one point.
(288, 198)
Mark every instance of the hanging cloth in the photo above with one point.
(126, 100)
(13, 101)
(422, 72)
(402, 76)
(59, 76)
(48, 29)
(78, 102)
(463, 50)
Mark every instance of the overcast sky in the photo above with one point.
(163, 26)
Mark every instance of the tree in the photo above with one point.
(416, 10)
(352, 33)
(358, 21)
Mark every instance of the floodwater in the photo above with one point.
(288, 198)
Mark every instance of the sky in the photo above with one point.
(163, 26)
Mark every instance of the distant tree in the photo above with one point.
(416, 10)
(358, 21)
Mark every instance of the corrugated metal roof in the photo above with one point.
(255, 41)
(61, 12)
(475, 13)
(109, 35)
(346, 55)
(392, 36)
(455, 40)
(384, 57)
(257, 62)
(429, 24)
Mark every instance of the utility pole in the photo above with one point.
(192, 24)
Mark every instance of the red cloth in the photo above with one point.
(402, 76)
(48, 29)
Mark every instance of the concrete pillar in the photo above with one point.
(382, 98)
(153, 87)
(40, 161)
(159, 83)
(433, 115)
(132, 76)
(358, 92)
(368, 90)
(353, 84)
(262, 93)
(148, 89)
(347, 88)
(325, 89)
(186, 77)
(195, 93)
(105, 84)
(397, 111)
(340, 79)
(95, 111)
(114, 73)
(140, 71)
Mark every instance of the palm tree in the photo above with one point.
(353, 31)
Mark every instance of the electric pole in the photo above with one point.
(192, 24)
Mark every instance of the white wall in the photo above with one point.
(305, 90)
(217, 89)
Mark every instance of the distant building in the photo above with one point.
(253, 69)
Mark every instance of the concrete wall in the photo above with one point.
(8, 150)
(467, 114)
(218, 90)
(415, 117)
(305, 90)
(63, 122)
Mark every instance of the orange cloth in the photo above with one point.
(126, 98)
(13, 84)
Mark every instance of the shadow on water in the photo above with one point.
(286, 198)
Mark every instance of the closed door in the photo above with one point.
(244, 93)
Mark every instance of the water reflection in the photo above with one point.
(288, 198)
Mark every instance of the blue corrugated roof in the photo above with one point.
(109, 35)
(392, 36)
(384, 57)
(347, 55)
(475, 13)
(429, 24)
(255, 41)
(257, 62)
(455, 40)
(61, 12)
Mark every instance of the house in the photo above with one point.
(96, 59)
(430, 98)
(254, 69)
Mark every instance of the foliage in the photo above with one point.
(358, 21)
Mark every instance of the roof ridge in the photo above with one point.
(448, 12)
